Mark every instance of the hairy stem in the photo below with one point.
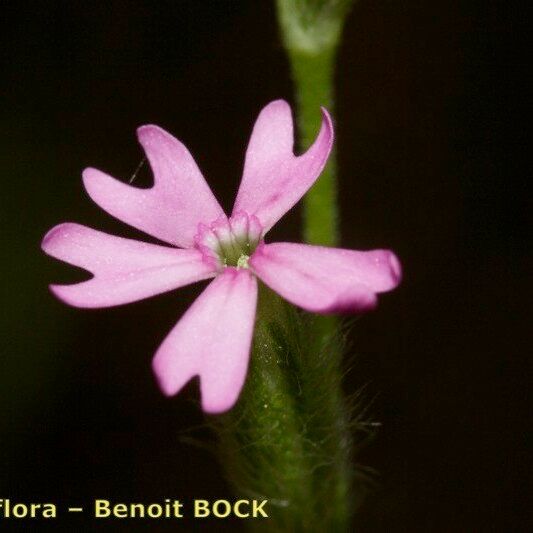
(288, 439)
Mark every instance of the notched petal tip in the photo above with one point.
(274, 178)
(210, 406)
(170, 387)
(211, 340)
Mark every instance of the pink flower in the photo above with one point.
(212, 339)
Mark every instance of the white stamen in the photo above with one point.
(242, 262)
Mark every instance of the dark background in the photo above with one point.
(431, 166)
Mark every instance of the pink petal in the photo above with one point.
(326, 280)
(212, 340)
(124, 270)
(274, 179)
(173, 207)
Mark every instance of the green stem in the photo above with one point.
(311, 31)
(313, 78)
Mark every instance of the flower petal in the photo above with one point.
(274, 179)
(173, 207)
(212, 340)
(124, 270)
(326, 280)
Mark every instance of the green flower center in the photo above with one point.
(235, 252)
(230, 242)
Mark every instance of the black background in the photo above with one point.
(432, 165)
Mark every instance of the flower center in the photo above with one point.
(229, 242)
